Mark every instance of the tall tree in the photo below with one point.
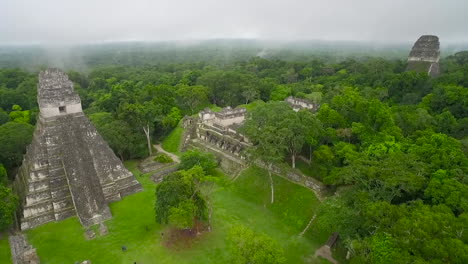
(8, 204)
(247, 247)
(265, 126)
(143, 116)
(14, 137)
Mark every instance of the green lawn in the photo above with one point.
(5, 253)
(244, 201)
(172, 142)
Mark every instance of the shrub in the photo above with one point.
(163, 158)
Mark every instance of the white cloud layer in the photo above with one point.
(84, 21)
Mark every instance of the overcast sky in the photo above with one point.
(84, 21)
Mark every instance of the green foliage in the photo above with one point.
(4, 117)
(14, 137)
(192, 158)
(275, 129)
(178, 200)
(372, 137)
(440, 151)
(8, 204)
(163, 158)
(192, 98)
(443, 189)
(20, 116)
(182, 216)
(121, 137)
(280, 93)
(248, 247)
(3, 175)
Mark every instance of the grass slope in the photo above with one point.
(5, 253)
(244, 201)
(172, 142)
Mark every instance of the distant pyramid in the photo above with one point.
(425, 55)
(68, 169)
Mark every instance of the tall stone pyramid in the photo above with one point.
(425, 56)
(68, 169)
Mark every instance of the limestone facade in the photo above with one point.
(299, 103)
(68, 169)
(219, 129)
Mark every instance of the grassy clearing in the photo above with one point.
(308, 170)
(172, 142)
(244, 201)
(252, 105)
(5, 253)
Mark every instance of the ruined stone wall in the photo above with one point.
(299, 103)
(230, 121)
(21, 251)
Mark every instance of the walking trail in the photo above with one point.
(173, 156)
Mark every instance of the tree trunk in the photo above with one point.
(293, 158)
(310, 154)
(271, 185)
(210, 212)
(148, 139)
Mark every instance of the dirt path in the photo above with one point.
(161, 150)
(325, 253)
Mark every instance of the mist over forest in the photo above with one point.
(81, 57)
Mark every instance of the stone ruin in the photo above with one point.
(21, 251)
(221, 129)
(68, 169)
(299, 103)
(425, 55)
(217, 132)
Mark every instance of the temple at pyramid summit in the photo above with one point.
(424, 56)
(68, 168)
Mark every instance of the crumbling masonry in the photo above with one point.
(68, 169)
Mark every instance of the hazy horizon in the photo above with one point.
(54, 22)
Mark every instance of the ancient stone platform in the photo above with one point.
(68, 169)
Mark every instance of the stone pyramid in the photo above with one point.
(68, 169)
(425, 55)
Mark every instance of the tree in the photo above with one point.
(8, 204)
(19, 116)
(298, 127)
(192, 158)
(313, 129)
(4, 117)
(3, 175)
(14, 137)
(250, 94)
(280, 93)
(192, 98)
(120, 136)
(440, 151)
(247, 247)
(178, 200)
(172, 119)
(443, 189)
(143, 116)
(264, 130)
